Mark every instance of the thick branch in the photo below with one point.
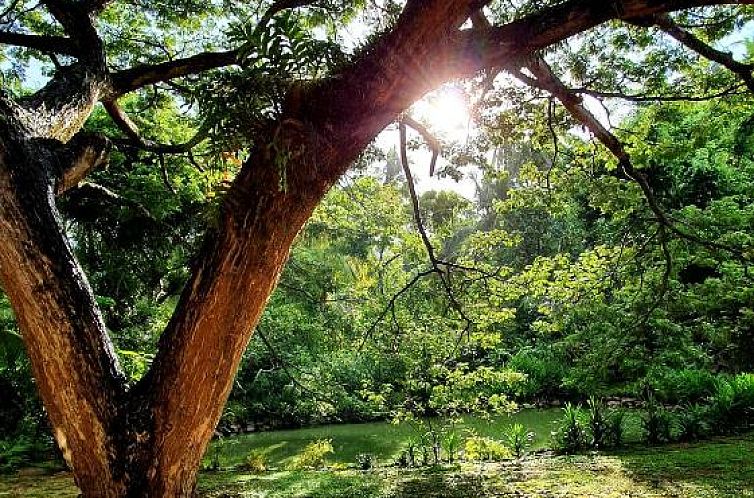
(43, 43)
(137, 77)
(500, 46)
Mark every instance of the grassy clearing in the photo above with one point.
(723, 468)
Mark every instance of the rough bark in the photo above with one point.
(71, 355)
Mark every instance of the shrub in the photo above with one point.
(479, 448)
(615, 427)
(518, 438)
(732, 403)
(597, 422)
(691, 422)
(544, 374)
(365, 461)
(657, 423)
(681, 386)
(570, 436)
(451, 442)
(17, 452)
(313, 456)
(255, 462)
(408, 455)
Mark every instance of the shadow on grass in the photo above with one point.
(721, 468)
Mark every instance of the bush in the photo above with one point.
(518, 438)
(597, 422)
(18, 452)
(313, 456)
(407, 457)
(691, 422)
(254, 462)
(657, 423)
(681, 386)
(477, 448)
(732, 404)
(615, 427)
(570, 436)
(451, 442)
(544, 374)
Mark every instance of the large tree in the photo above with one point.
(148, 439)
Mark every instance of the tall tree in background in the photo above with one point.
(148, 439)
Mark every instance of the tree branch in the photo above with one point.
(43, 43)
(434, 261)
(430, 139)
(546, 80)
(129, 128)
(658, 98)
(83, 154)
(499, 46)
(668, 26)
(137, 77)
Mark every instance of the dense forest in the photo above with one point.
(331, 212)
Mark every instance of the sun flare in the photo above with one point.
(446, 112)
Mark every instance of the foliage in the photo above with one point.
(597, 422)
(616, 427)
(731, 405)
(571, 436)
(478, 448)
(518, 439)
(365, 461)
(692, 423)
(20, 451)
(681, 386)
(451, 443)
(313, 456)
(657, 423)
(255, 462)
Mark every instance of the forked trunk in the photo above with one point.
(147, 441)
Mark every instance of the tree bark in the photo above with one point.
(71, 355)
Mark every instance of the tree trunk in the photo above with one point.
(71, 355)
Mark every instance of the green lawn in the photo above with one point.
(722, 468)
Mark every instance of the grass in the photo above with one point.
(722, 468)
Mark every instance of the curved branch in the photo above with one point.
(128, 80)
(82, 155)
(129, 128)
(668, 26)
(430, 139)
